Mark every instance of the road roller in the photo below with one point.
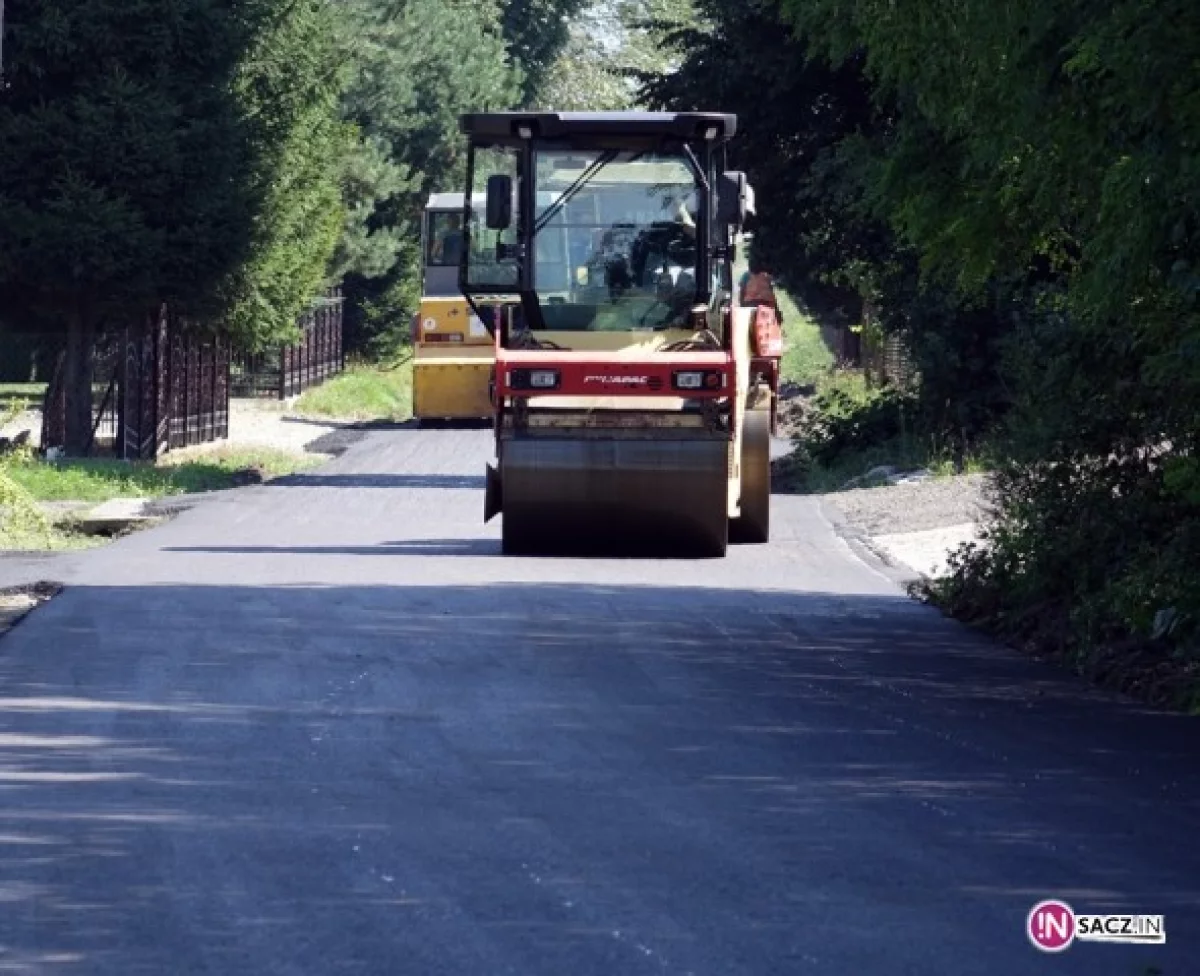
(452, 351)
(633, 397)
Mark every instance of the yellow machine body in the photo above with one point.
(453, 356)
(453, 352)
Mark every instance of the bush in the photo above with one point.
(21, 521)
(844, 422)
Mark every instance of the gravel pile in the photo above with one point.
(915, 506)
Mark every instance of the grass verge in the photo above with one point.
(806, 358)
(101, 480)
(362, 393)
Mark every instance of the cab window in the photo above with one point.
(445, 239)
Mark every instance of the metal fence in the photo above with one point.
(165, 385)
(290, 370)
(156, 387)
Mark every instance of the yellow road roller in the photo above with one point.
(452, 350)
(633, 397)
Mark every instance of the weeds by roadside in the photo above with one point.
(806, 358)
(847, 429)
(22, 523)
(99, 480)
(363, 393)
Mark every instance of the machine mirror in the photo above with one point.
(499, 202)
(731, 199)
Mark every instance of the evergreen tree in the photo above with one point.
(289, 87)
(122, 176)
(417, 65)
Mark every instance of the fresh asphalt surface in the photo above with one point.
(323, 727)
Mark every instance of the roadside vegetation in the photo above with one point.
(843, 426)
(807, 359)
(100, 480)
(1032, 236)
(364, 392)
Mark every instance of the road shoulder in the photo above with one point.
(910, 529)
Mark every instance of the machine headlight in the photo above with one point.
(699, 380)
(533, 379)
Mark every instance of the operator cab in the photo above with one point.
(444, 239)
(604, 225)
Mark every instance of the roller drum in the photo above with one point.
(615, 496)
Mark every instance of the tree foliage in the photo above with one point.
(811, 135)
(611, 44)
(289, 88)
(124, 177)
(416, 66)
(121, 179)
(1015, 187)
(537, 32)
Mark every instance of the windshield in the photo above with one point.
(444, 239)
(615, 239)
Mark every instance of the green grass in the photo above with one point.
(362, 393)
(806, 358)
(100, 480)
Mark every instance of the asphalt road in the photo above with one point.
(324, 727)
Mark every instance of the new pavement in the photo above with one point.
(323, 727)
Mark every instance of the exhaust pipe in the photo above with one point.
(493, 498)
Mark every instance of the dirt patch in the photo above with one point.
(16, 602)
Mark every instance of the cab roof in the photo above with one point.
(507, 126)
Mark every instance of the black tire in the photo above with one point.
(754, 525)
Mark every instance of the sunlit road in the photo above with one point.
(324, 727)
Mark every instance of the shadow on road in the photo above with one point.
(408, 547)
(469, 779)
(450, 482)
(616, 547)
(480, 424)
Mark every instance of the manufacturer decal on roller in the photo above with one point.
(619, 380)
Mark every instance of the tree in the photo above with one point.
(1050, 147)
(611, 44)
(537, 31)
(416, 67)
(121, 180)
(289, 87)
(812, 136)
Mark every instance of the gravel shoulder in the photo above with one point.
(917, 524)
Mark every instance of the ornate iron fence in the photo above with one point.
(156, 387)
(290, 370)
